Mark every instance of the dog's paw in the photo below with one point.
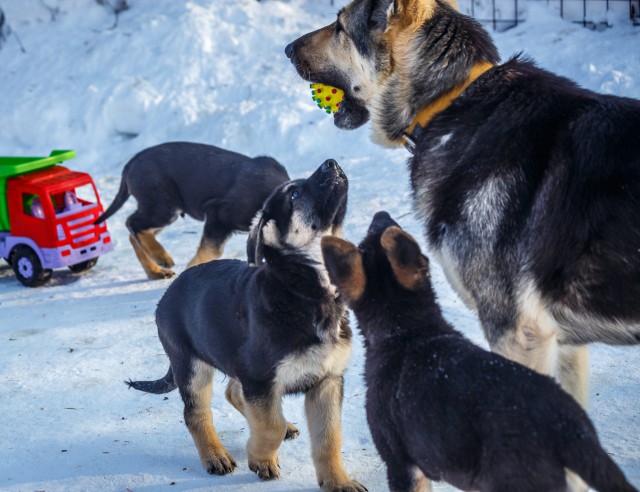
(220, 463)
(265, 469)
(348, 486)
(292, 432)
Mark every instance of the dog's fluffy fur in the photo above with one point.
(528, 186)
(223, 188)
(274, 328)
(439, 406)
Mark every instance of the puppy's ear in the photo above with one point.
(410, 267)
(255, 243)
(344, 264)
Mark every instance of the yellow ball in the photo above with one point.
(327, 97)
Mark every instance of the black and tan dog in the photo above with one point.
(440, 407)
(528, 186)
(274, 328)
(223, 188)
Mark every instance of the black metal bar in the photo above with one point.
(493, 6)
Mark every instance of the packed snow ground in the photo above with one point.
(210, 71)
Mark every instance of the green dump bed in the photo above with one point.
(14, 166)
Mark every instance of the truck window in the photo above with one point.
(74, 199)
(86, 194)
(32, 205)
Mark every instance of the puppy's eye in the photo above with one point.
(293, 196)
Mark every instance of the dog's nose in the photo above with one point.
(380, 222)
(289, 50)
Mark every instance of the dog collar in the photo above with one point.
(443, 102)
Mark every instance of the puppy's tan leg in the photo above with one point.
(268, 428)
(199, 420)
(236, 398)
(573, 372)
(323, 406)
(152, 270)
(153, 248)
(208, 250)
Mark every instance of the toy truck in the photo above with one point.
(47, 215)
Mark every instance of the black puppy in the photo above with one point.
(223, 188)
(274, 328)
(442, 408)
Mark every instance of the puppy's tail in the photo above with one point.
(163, 385)
(591, 463)
(118, 201)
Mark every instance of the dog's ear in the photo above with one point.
(415, 12)
(410, 267)
(344, 264)
(381, 12)
(255, 243)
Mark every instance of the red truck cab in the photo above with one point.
(51, 213)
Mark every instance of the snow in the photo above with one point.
(215, 72)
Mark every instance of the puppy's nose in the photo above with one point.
(289, 50)
(330, 165)
(380, 222)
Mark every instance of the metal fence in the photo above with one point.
(505, 14)
(499, 15)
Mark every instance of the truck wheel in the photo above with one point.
(84, 266)
(27, 267)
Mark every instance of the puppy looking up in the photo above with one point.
(274, 328)
(223, 188)
(442, 408)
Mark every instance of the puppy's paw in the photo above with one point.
(292, 432)
(265, 469)
(219, 463)
(348, 486)
(165, 261)
(160, 273)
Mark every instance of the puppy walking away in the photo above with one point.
(274, 327)
(223, 188)
(442, 408)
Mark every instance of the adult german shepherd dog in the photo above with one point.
(440, 407)
(528, 185)
(273, 326)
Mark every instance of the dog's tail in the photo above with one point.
(591, 463)
(163, 385)
(118, 201)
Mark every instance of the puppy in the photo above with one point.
(528, 186)
(441, 408)
(274, 328)
(223, 188)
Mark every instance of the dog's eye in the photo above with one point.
(294, 195)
